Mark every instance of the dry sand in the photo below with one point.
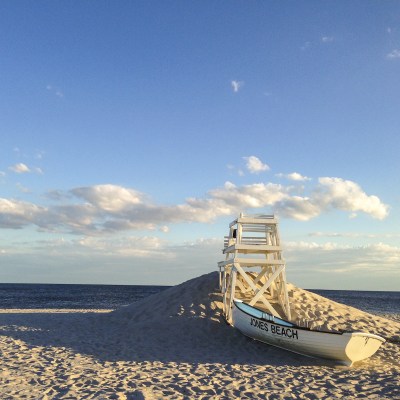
(176, 345)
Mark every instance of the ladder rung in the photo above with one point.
(250, 262)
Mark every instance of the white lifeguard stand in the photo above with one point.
(253, 270)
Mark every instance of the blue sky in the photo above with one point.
(132, 133)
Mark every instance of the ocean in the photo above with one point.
(63, 296)
(375, 302)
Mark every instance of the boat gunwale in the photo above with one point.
(294, 325)
(303, 328)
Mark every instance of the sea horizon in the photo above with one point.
(113, 296)
(166, 286)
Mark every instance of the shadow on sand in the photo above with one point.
(121, 336)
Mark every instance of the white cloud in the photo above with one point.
(294, 176)
(102, 209)
(132, 259)
(354, 235)
(254, 165)
(303, 245)
(300, 208)
(339, 234)
(327, 39)
(128, 246)
(237, 85)
(393, 54)
(332, 194)
(332, 266)
(17, 214)
(257, 195)
(109, 198)
(22, 168)
(337, 193)
(19, 168)
(343, 259)
(129, 259)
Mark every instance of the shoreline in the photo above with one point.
(175, 345)
(53, 310)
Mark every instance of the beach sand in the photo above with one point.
(176, 345)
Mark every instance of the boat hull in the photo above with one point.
(345, 348)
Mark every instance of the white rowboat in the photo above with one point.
(342, 347)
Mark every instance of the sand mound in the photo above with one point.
(315, 311)
(191, 314)
(200, 298)
(183, 323)
(196, 298)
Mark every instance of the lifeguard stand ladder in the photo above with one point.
(253, 270)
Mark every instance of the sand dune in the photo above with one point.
(176, 345)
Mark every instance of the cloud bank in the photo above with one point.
(99, 209)
(343, 259)
(120, 259)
